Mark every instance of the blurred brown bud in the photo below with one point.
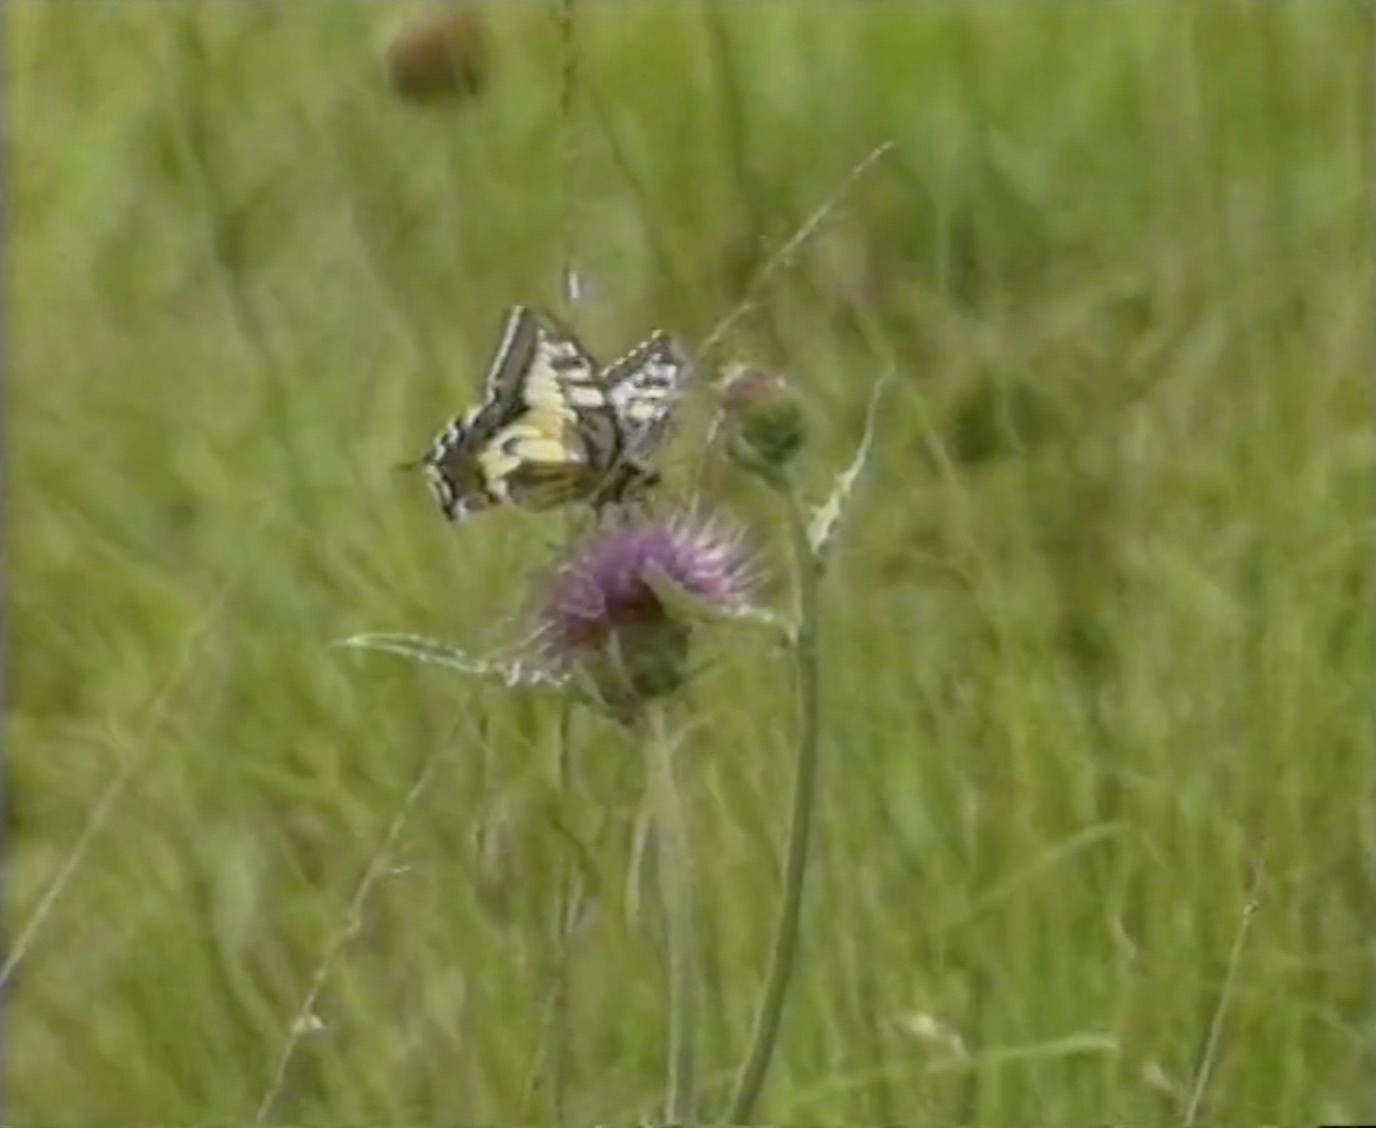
(439, 53)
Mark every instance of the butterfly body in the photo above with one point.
(554, 426)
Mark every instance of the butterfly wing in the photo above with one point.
(606, 421)
(554, 426)
(519, 430)
(540, 456)
(640, 391)
(643, 387)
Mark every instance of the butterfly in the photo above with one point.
(554, 426)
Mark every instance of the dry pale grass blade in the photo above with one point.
(437, 652)
(826, 518)
(784, 256)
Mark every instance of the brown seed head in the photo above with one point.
(439, 53)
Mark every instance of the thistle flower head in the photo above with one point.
(604, 614)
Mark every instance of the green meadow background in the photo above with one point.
(1098, 742)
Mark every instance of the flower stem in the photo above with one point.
(675, 890)
(769, 1016)
(567, 909)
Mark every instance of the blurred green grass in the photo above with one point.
(1098, 638)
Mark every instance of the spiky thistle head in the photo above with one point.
(610, 613)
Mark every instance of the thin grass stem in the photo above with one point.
(569, 287)
(785, 255)
(378, 868)
(676, 893)
(570, 896)
(780, 260)
(1209, 1056)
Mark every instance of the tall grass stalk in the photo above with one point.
(570, 896)
(567, 911)
(676, 895)
(569, 288)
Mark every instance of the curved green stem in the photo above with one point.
(769, 1016)
(675, 887)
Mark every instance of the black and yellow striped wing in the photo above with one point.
(514, 440)
(554, 427)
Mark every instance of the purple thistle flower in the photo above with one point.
(602, 614)
(604, 584)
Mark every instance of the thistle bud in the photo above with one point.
(762, 419)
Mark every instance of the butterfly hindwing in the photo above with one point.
(643, 386)
(641, 389)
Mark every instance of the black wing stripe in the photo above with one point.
(515, 351)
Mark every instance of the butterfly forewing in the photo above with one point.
(471, 462)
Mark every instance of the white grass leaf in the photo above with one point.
(821, 531)
(437, 652)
